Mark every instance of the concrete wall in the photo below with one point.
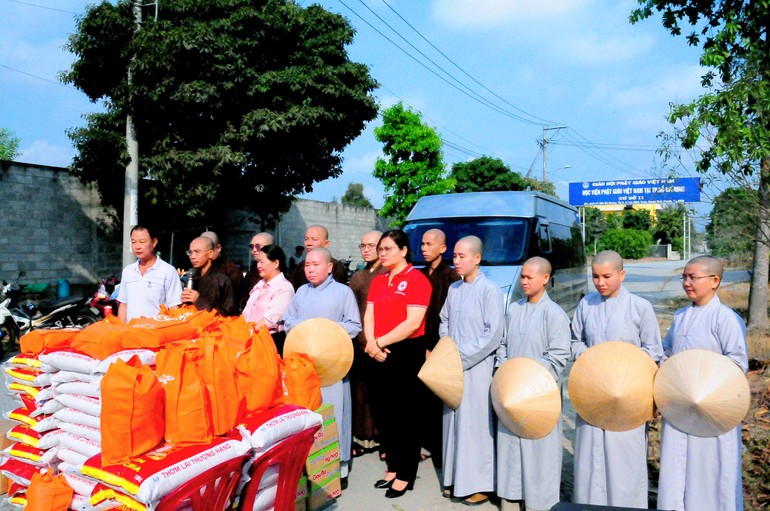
(52, 226)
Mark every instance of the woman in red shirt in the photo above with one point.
(394, 323)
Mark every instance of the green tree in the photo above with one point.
(9, 145)
(415, 164)
(487, 174)
(354, 196)
(729, 124)
(614, 221)
(669, 222)
(629, 243)
(595, 224)
(733, 217)
(638, 219)
(240, 102)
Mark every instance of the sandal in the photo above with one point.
(357, 450)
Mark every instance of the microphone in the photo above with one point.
(190, 276)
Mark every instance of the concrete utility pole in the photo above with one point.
(545, 144)
(131, 190)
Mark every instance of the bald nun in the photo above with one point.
(473, 317)
(611, 467)
(530, 470)
(703, 472)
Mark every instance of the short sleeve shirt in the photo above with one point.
(410, 288)
(144, 294)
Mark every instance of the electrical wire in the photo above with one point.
(42, 7)
(38, 77)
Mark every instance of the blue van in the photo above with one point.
(513, 226)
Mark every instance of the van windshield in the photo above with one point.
(505, 239)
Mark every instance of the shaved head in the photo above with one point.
(438, 236)
(608, 257)
(474, 244)
(322, 253)
(710, 265)
(540, 264)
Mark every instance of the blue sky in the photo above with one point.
(577, 63)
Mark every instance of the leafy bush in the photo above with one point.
(629, 243)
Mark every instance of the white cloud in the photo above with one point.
(588, 48)
(43, 153)
(482, 14)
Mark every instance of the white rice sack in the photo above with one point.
(27, 376)
(45, 395)
(17, 471)
(39, 423)
(80, 485)
(80, 445)
(85, 404)
(71, 457)
(50, 407)
(265, 498)
(146, 357)
(27, 436)
(69, 361)
(270, 427)
(31, 361)
(31, 455)
(92, 434)
(76, 417)
(79, 388)
(69, 376)
(68, 468)
(79, 503)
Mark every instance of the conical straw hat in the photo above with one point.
(326, 343)
(443, 372)
(610, 386)
(702, 393)
(526, 398)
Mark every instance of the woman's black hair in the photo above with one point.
(275, 253)
(401, 240)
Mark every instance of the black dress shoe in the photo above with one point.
(394, 494)
(383, 484)
(343, 483)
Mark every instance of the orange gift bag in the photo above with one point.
(131, 421)
(48, 493)
(258, 373)
(218, 372)
(302, 385)
(188, 405)
(109, 336)
(38, 340)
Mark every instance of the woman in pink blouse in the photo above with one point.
(270, 297)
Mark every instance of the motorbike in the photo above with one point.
(103, 297)
(19, 318)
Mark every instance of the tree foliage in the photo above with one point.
(595, 224)
(239, 102)
(629, 243)
(638, 219)
(730, 124)
(414, 163)
(669, 223)
(733, 217)
(487, 174)
(9, 145)
(354, 196)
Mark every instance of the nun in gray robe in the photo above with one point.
(611, 467)
(527, 469)
(701, 473)
(472, 316)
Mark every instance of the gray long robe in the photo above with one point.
(527, 469)
(611, 467)
(473, 317)
(335, 301)
(703, 473)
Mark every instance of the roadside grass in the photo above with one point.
(756, 426)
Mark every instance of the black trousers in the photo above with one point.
(395, 402)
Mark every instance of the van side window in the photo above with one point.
(545, 240)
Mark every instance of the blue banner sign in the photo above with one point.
(635, 191)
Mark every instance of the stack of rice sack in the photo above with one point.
(322, 467)
(34, 435)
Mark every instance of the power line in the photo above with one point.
(38, 77)
(42, 7)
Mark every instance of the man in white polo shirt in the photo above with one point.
(149, 282)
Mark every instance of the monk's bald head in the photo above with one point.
(609, 258)
(540, 264)
(473, 244)
(709, 264)
(437, 235)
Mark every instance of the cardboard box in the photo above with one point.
(301, 501)
(323, 475)
(5, 426)
(316, 461)
(324, 437)
(326, 411)
(323, 491)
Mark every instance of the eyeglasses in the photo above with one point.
(693, 278)
(370, 246)
(196, 252)
(255, 246)
(386, 250)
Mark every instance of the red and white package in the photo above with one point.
(17, 471)
(267, 428)
(27, 436)
(50, 407)
(38, 423)
(27, 376)
(146, 357)
(79, 388)
(93, 434)
(72, 458)
(31, 455)
(69, 376)
(80, 484)
(85, 404)
(80, 445)
(155, 474)
(69, 360)
(76, 417)
(79, 502)
(32, 361)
